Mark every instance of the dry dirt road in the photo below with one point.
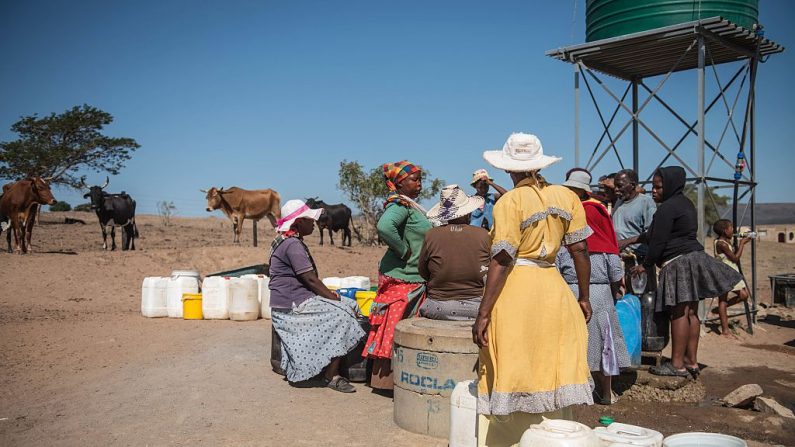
(80, 366)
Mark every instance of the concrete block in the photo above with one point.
(769, 405)
(742, 396)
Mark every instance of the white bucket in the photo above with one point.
(154, 302)
(463, 415)
(188, 273)
(625, 434)
(698, 439)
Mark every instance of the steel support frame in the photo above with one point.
(700, 174)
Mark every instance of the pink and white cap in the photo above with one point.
(295, 209)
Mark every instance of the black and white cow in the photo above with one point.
(334, 218)
(114, 210)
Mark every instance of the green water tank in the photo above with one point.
(612, 18)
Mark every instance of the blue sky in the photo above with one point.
(264, 94)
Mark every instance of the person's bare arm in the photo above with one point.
(582, 266)
(495, 280)
(500, 190)
(623, 243)
(728, 250)
(312, 282)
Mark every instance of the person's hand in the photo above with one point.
(637, 270)
(480, 331)
(745, 240)
(585, 306)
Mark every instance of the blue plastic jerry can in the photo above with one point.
(629, 317)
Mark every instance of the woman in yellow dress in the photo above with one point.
(531, 329)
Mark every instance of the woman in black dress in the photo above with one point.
(687, 273)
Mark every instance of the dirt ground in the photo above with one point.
(80, 366)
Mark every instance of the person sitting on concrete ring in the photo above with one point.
(454, 258)
(315, 327)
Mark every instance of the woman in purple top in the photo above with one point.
(315, 327)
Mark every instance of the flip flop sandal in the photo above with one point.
(667, 369)
(694, 372)
(341, 384)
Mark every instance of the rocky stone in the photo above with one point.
(742, 396)
(768, 405)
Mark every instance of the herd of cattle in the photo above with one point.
(239, 204)
(20, 203)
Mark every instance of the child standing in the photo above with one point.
(724, 251)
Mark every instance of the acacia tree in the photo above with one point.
(60, 145)
(367, 190)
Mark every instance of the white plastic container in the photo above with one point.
(332, 282)
(697, 439)
(463, 415)
(357, 282)
(559, 433)
(215, 298)
(176, 287)
(243, 304)
(263, 294)
(625, 434)
(154, 302)
(188, 273)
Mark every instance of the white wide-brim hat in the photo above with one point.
(453, 203)
(295, 209)
(522, 152)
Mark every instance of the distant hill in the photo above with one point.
(766, 213)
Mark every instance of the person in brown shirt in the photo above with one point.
(454, 258)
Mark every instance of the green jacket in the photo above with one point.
(403, 230)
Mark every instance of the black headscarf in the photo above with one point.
(673, 179)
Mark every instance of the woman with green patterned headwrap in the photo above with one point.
(400, 287)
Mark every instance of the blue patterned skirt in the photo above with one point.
(313, 333)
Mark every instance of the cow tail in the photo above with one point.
(135, 230)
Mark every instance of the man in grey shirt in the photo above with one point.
(633, 212)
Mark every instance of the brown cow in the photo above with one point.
(239, 204)
(20, 203)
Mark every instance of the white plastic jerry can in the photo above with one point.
(243, 303)
(263, 294)
(463, 415)
(154, 302)
(215, 298)
(559, 433)
(617, 433)
(177, 286)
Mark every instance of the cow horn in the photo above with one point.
(203, 190)
(47, 179)
(107, 180)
